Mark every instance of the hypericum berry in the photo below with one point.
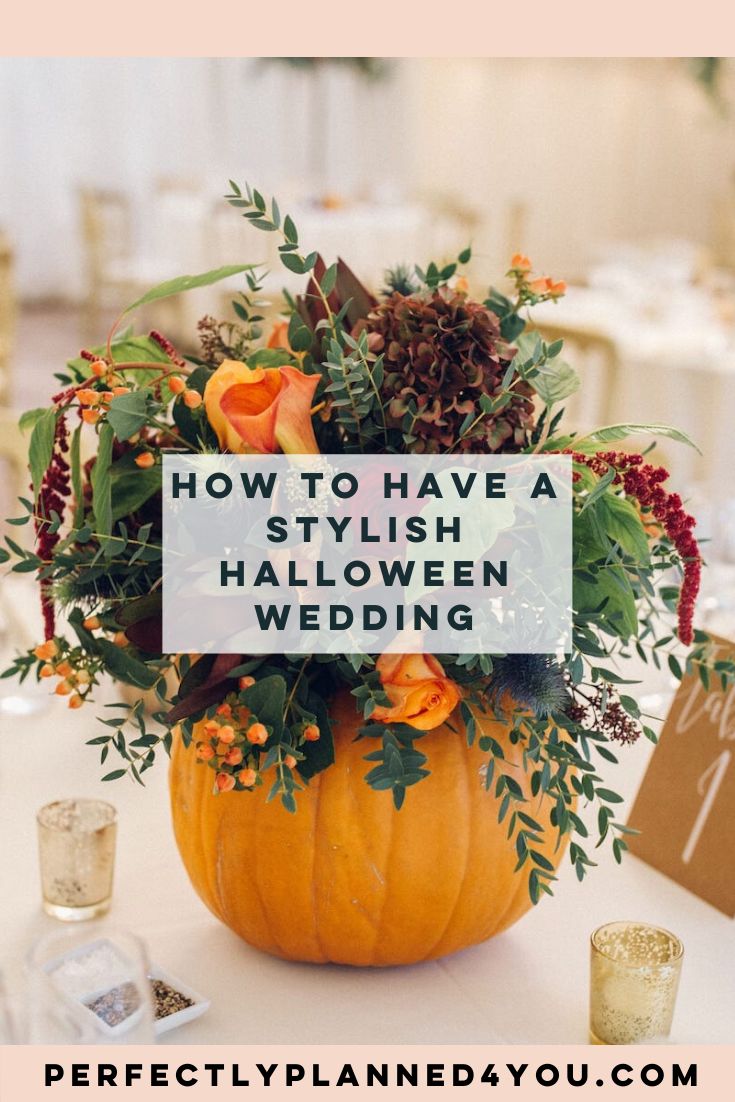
(224, 710)
(120, 639)
(256, 734)
(245, 682)
(90, 416)
(226, 734)
(176, 384)
(91, 623)
(289, 761)
(88, 397)
(63, 669)
(118, 390)
(225, 782)
(192, 399)
(145, 460)
(233, 756)
(204, 751)
(46, 671)
(75, 700)
(63, 688)
(98, 368)
(46, 650)
(312, 733)
(247, 777)
(83, 677)
(211, 728)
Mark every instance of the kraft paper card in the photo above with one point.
(685, 809)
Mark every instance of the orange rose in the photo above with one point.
(260, 410)
(547, 286)
(520, 263)
(420, 693)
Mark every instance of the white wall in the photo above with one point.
(596, 149)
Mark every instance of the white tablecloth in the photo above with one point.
(527, 986)
(677, 367)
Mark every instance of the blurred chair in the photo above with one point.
(516, 229)
(14, 452)
(8, 309)
(114, 273)
(596, 359)
(14, 477)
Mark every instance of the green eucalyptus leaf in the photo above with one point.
(41, 447)
(76, 476)
(124, 666)
(127, 413)
(188, 283)
(28, 419)
(590, 442)
(266, 699)
(555, 382)
(318, 755)
(131, 488)
(101, 480)
(622, 523)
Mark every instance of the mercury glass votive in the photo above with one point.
(76, 845)
(634, 977)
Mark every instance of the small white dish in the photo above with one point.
(84, 995)
(180, 1017)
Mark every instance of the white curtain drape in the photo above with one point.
(126, 122)
(590, 149)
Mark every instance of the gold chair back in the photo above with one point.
(595, 357)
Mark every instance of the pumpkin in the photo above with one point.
(349, 879)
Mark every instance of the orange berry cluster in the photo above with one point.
(231, 734)
(233, 741)
(95, 402)
(72, 682)
(538, 290)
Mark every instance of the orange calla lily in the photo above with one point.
(261, 410)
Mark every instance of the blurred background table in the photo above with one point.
(652, 334)
(528, 985)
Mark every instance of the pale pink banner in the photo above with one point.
(517, 1071)
(566, 28)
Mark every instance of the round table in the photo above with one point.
(529, 985)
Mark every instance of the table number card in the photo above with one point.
(685, 808)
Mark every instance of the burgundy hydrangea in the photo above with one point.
(644, 482)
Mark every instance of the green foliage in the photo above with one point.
(563, 719)
(41, 446)
(613, 433)
(187, 283)
(128, 413)
(398, 764)
(102, 485)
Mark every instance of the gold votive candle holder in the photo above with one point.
(634, 977)
(76, 846)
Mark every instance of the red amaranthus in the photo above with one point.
(52, 496)
(644, 482)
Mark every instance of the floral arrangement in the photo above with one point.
(421, 367)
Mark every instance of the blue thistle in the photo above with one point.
(535, 681)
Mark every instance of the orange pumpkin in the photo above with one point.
(348, 878)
